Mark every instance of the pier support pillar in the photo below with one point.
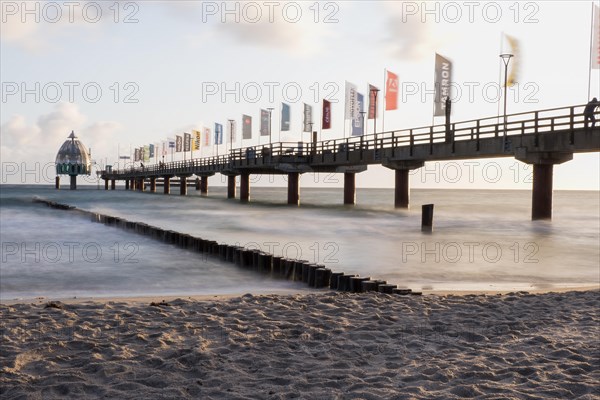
(73, 185)
(402, 181)
(349, 188)
(294, 188)
(126, 184)
(244, 188)
(182, 185)
(204, 186)
(541, 199)
(57, 182)
(153, 184)
(167, 184)
(113, 184)
(543, 169)
(231, 186)
(141, 185)
(106, 184)
(197, 182)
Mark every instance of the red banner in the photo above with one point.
(391, 91)
(373, 91)
(326, 123)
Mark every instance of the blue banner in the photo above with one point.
(357, 122)
(218, 134)
(285, 117)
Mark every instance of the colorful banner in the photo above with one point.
(178, 143)
(307, 118)
(197, 139)
(151, 148)
(596, 39)
(351, 101)
(373, 98)
(285, 117)
(146, 153)
(187, 142)
(442, 84)
(357, 123)
(326, 122)
(218, 134)
(207, 135)
(246, 127)
(391, 91)
(513, 67)
(264, 123)
(136, 154)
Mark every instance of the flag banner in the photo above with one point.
(146, 153)
(187, 141)
(357, 123)
(264, 123)
(164, 148)
(513, 67)
(326, 122)
(136, 154)
(307, 118)
(151, 151)
(391, 91)
(207, 135)
(231, 131)
(596, 39)
(442, 84)
(171, 143)
(178, 143)
(351, 101)
(285, 117)
(373, 92)
(246, 127)
(196, 139)
(218, 134)
(124, 158)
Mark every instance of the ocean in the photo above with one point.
(482, 240)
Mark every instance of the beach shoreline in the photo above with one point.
(326, 345)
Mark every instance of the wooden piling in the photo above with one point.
(427, 218)
(356, 283)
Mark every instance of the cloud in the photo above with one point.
(39, 141)
(410, 39)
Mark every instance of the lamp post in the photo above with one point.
(375, 91)
(230, 135)
(270, 109)
(506, 60)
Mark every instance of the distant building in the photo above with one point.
(72, 159)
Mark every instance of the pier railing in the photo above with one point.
(536, 122)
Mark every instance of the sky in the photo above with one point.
(130, 73)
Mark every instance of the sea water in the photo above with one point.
(482, 240)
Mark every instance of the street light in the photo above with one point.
(375, 91)
(270, 109)
(506, 59)
(230, 135)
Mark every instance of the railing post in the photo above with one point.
(412, 142)
(572, 126)
(431, 140)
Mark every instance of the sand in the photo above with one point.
(326, 345)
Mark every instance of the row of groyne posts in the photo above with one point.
(316, 276)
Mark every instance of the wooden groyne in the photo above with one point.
(316, 276)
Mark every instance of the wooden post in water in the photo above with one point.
(106, 184)
(126, 184)
(167, 184)
(73, 185)
(231, 186)
(293, 188)
(113, 184)
(57, 182)
(153, 184)
(197, 184)
(349, 188)
(245, 187)
(427, 218)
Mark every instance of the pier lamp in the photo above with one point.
(230, 135)
(506, 60)
(375, 91)
(270, 109)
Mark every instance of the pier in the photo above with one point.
(542, 138)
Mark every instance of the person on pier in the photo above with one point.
(588, 112)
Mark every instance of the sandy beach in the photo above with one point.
(326, 345)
